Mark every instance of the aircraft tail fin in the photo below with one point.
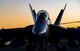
(58, 20)
(33, 13)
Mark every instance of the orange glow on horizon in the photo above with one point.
(16, 13)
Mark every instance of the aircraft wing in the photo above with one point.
(7, 35)
(15, 37)
(58, 34)
(75, 32)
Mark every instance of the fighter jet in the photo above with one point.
(42, 35)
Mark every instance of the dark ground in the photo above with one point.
(24, 49)
(13, 49)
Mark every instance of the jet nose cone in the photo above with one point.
(39, 30)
